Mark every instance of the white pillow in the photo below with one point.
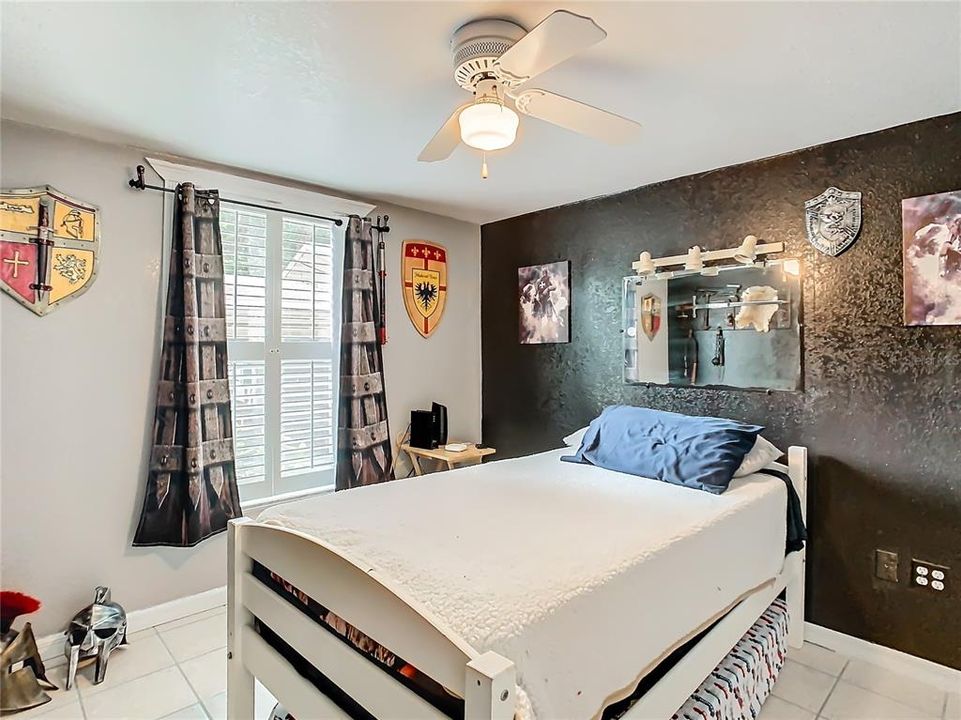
(761, 455)
(574, 439)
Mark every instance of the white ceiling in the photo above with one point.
(345, 94)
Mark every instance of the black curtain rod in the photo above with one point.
(139, 184)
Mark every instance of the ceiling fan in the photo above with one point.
(493, 59)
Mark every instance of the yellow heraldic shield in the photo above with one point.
(424, 278)
(49, 247)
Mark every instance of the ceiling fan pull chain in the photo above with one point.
(484, 167)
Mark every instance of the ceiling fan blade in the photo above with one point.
(557, 37)
(444, 141)
(576, 116)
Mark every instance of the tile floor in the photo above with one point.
(177, 671)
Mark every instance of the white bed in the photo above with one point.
(558, 586)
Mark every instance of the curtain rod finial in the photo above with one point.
(138, 182)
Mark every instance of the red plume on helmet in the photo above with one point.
(13, 605)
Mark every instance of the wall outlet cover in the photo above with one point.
(929, 576)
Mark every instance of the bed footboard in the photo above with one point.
(369, 603)
(374, 606)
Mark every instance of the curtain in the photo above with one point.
(364, 449)
(191, 489)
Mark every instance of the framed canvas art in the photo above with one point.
(931, 230)
(544, 302)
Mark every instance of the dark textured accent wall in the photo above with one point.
(881, 410)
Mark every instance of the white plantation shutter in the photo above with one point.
(280, 300)
(244, 237)
(306, 415)
(248, 392)
(307, 288)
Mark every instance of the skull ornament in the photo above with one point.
(94, 632)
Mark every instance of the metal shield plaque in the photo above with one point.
(49, 247)
(650, 315)
(833, 220)
(424, 274)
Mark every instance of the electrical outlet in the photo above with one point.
(886, 565)
(929, 576)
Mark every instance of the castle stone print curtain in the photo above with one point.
(191, 489)
(364, 450)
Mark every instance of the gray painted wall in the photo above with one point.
(77, 388)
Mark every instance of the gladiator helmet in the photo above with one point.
(94, 632)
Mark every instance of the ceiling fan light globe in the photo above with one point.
(488, 126)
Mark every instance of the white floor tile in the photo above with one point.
(189, 641)
(147, 698)
(180, 622)
(65, 711)
(216, 706)
(803, 686)
(952, 709)
(895, 686)
(194, 712)
(819, 658)
(207, 674)
(775, 708)
(144, 654)
(264, 702)
(850, 702)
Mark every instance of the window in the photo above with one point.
(279, 285)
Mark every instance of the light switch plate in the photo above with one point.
(886, 565)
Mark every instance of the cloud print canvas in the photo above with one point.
(931, 228)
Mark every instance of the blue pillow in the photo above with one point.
(696, 452)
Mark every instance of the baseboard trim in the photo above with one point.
(932, 673)
(51, 646)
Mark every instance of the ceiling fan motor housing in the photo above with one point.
(477, 45)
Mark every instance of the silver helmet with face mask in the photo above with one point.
(94, 632)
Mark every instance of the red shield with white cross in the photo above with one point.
(424, 275)
(49, 247)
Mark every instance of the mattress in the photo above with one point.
(583, 577)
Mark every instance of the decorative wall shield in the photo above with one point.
(833, 220)
(424, 274)
(49, 247)
(650, 315)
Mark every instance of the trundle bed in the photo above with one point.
(525, 588)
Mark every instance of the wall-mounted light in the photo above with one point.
(644, 264)
(792, 266)
(747, 253)
(694, 260)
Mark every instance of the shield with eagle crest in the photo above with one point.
(424, 278)
(49, 247)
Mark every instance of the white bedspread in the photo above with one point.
(583, 577)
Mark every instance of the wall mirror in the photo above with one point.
(739, 327)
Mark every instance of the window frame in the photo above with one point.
(277, 198)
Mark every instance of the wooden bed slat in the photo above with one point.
(300, 698)
(370, 685)
(363, 599)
